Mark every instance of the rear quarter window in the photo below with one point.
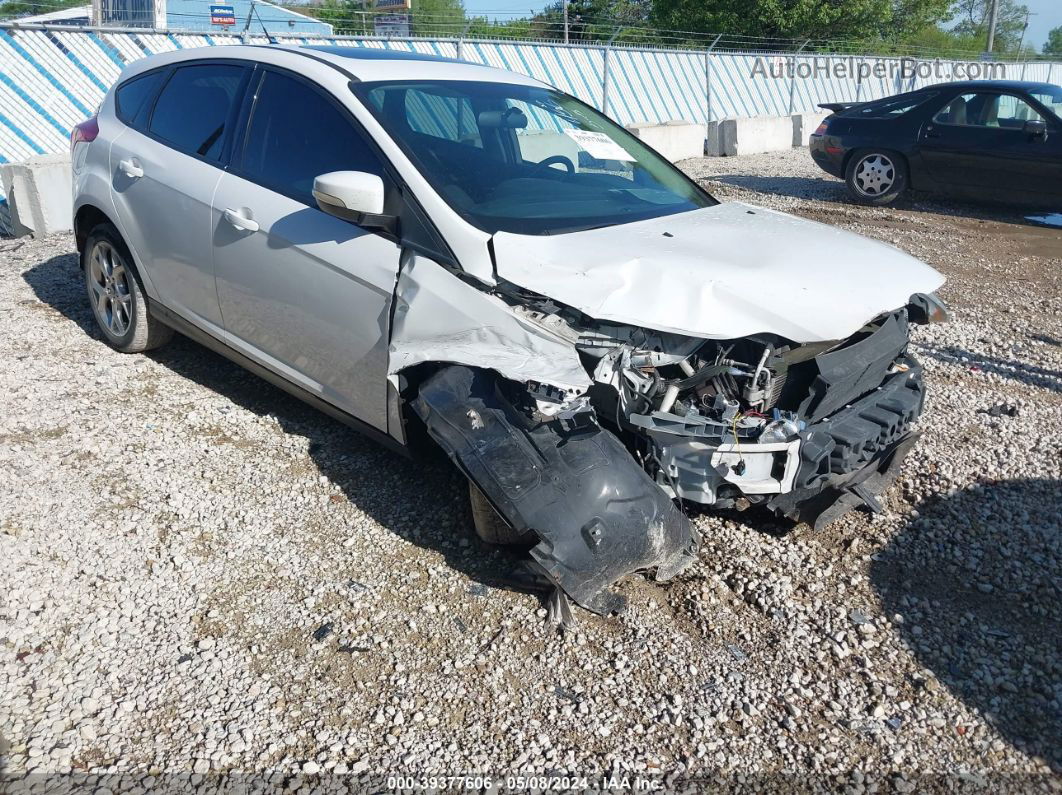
(194, 108)
(131, 97)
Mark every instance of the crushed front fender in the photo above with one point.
(597, 514)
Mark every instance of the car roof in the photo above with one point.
(366, 64)
(371, 64)
(374, 54)
(1012, 85)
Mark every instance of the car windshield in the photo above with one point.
(526, 159)
(1050, 96)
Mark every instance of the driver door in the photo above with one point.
(304, 293)
(977, 140)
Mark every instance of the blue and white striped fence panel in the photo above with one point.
(1041, 72)
(655, 86)
(51, 79)
(738, 90)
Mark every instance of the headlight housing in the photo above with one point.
(923, 308)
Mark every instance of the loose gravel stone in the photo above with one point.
(175, 534)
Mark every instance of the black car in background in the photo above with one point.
(997, 140)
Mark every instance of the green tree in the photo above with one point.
(883, 20)
(20, 8)
(346, 17)
(972, 17)
(438, 17)
(1053, 45)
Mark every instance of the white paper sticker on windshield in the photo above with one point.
(599, 145)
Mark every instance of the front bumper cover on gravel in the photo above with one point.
(597, 514)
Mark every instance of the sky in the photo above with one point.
(486, 7)
(1047, 14)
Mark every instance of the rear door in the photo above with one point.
(164, 168)
(304, 293)
(977, 140)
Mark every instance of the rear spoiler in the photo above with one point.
(837, 107)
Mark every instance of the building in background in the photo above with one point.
(391, 17)
(253, 16)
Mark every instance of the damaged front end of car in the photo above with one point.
(591, 451)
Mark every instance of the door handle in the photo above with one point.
(240, 221)
(931, 132)
(131, 168)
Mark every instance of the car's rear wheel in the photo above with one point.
(876, 176)
(116, 295)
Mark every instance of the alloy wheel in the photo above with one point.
(875, 175)
(109, 282)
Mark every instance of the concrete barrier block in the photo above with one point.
(804, 124)
(760, 134)
(675, 140)
(730, 137)
(715, 138)
(38, 193)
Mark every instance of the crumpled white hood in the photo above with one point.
(721, 272)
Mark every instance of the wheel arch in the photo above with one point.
(86, 218)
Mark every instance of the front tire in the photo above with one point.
(490, 527)
(116, 295)
(876, 176)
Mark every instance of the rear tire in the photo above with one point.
(876, 176)
(116, 295)
(490, 527)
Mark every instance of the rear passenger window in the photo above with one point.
(295, 134)
(193, 109)
(130, 97)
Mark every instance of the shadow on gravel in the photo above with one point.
(977, 578)
(828, 189)
(423, 501)
(1012, 369)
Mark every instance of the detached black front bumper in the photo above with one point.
(597, 514)
(850, 457)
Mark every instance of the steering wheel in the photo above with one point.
(564, 161)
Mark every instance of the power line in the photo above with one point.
(588, 31)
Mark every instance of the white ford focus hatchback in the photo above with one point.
(412, 243)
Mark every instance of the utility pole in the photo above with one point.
(564, 3)
(993, 12)
(1024, 28)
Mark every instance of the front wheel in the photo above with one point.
(115, 294)
(875, 176)
(490, 527)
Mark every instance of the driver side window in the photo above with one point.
(285, 153)
(1005, 111)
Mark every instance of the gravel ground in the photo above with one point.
(202, 576)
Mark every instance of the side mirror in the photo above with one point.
(354, 196)
(1037, 128)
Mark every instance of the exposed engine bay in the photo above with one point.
(729, 423)
(809, 431)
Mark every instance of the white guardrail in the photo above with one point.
(52, 77)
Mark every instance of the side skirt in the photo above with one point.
(179, 324)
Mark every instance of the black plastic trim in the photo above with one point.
(597, 514)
